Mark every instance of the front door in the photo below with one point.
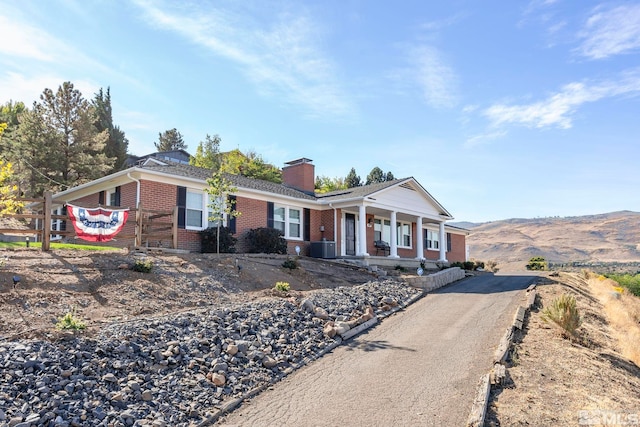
(350, 233)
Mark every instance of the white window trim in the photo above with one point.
(107, 196)
(203, 209)
(399, 234)
(287, 222)
(436, 247)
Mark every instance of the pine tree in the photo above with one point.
(56, 144)
(352, 179)
(117, 144)
(170, 140)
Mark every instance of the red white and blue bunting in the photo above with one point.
(97, 225)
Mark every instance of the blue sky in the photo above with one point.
(499, 109)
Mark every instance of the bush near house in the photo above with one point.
(266, 240)
(208, 240)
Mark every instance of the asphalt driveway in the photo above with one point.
(419, 367)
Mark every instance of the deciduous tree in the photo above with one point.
(208, 153)
(220, 205)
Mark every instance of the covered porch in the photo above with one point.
(390, 224)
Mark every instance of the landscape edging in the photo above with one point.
(232, 404)
(479, 407)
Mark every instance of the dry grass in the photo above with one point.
(623, 313)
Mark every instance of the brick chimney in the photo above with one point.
(300, 174)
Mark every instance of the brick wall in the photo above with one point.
(300, 176)
(458, 251)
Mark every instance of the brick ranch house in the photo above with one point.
(351, 220)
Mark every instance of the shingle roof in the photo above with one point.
(239, 181)
(357, 192)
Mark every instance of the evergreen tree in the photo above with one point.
(376, 175)
(57, 145)
(352, 179)
(170, 140)
(208, 153)
(9, 113)
(117, 144)
(389, 176)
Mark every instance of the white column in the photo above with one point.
(362, 231)
(393, 252)
(417, 240)
(443, 243)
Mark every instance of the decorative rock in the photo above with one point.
(329, 330)
(171, 370)
(269, 362)
(218, 379)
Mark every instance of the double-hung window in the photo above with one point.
(431, 239)
(195, 209)
(382, 230)
(288, 220)
(404, 234)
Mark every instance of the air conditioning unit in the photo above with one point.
(323, 249)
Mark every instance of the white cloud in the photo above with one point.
(611, 32)
(18, 87)
(284, 60)
(484, 138)
(26, 41)
(557, 110)
(435, 78)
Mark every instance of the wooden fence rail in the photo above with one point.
(150, 224)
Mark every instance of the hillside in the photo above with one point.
(611, 237)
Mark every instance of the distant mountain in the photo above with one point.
(611, 237)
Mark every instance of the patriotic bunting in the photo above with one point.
(97, 225)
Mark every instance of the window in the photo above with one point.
(294, 223)
(431, 239)
(382, 230)
(404, 234)
(194, 209)
(113, 196)
(288, 220)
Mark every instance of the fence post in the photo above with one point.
(46, 226)
(174, 228)
(139, 225)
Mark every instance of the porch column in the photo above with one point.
(443, 243)
(362, 230)
(393, 251)
(418, 239)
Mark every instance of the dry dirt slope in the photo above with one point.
(553, 381)
(612, 237)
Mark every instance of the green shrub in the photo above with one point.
(631, 282)
(457, 264)
(468, 265)
(538, 263)
(478, 265)
(400, 268)
(208, 240)
(143, 265)
(266, 240)
(290, 263)
(564, 313)
(282, 287)
(70, 322)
